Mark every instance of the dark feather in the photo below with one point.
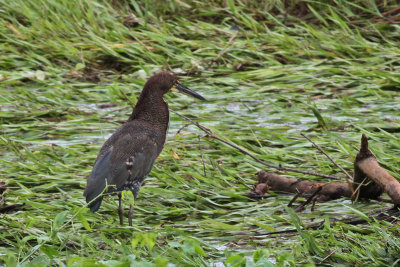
(124, 161)
(97, 181)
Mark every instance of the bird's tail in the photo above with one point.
(97, 183)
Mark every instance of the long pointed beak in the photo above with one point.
(183, 89)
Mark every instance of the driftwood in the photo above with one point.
(327, 191)
(373, 178)
(370, 181)
(366, 168)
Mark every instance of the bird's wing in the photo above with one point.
(97, 181)
(129, 157)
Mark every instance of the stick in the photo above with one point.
(183, 127)
(313, 203)
(279, 167)
(309, 199)
(294, 198)
(330, 254)
(356, 193)
(329, 157)
(224, 50)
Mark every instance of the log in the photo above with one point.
(363, 186)
(275, 182)
(367, 169)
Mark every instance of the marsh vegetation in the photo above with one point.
(71, 71)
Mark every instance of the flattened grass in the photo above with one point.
(331, 70)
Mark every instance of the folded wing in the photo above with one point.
(122, 168)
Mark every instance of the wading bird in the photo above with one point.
(129, 154)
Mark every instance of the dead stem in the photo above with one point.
(279, 167)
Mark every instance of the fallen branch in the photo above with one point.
(377, 179)
(324, 191)
(211, 134)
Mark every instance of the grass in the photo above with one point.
(72, 70)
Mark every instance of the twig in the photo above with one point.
(309, 199)
(279, 167)
(330, 254)
(220, 54)
(329, 157)
(183, 127)
(313, 203)
(389, 12)
(357, 191)
(294, 198)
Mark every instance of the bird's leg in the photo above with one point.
(120, 210)
(130, 214)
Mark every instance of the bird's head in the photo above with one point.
(164, 82)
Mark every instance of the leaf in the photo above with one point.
(174, 154)
(117, 46)
(84, 262)
(39, 261)
(359, 213)
(235, 261)
(10, 259)
(199, 250)
(144, 240)
(317, 114)
(49, 251)
(220, 225)
(59, 219)
(232, 7)
(308, 239)
(128, 195)
(266, 227)
(84, 222)
(79, 66)
(40, 75)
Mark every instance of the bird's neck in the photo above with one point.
(151, 108)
